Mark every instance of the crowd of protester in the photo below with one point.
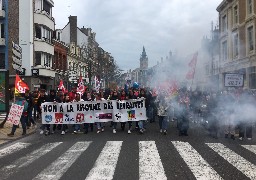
(220, 113)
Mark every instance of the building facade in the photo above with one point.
(4, 34)
(32, 27)
(77, 41)
(237, 20)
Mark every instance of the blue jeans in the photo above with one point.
(163, 123)
(30, 118)
(100, 125)
(149, 112)
(141, 124)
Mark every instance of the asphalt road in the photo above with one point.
(128, 157)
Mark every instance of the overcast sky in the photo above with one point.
(123, 27)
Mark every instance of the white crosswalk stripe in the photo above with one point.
(26, 160)
(60, 166)
(246, 167)
(105, 165)
(13, 148)
(199, 167)
(150, 165)
(251, 148)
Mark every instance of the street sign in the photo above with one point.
(17, 57)
(234, 80)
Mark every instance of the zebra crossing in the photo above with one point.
(150, 164)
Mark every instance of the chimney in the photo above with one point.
(73, 29)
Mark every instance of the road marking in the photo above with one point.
(251, 148)
(150, 165)
(234, 159)
(105, 165)
(199, 167)
(61, 165)
(28, 159)
(13, 148)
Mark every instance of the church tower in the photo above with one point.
(143, 60)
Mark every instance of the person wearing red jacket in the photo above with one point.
(72, 94)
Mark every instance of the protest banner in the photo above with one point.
(15, 114)
(93, 111)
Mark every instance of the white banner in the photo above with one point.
(15, 114)
(234, 80)
(95, 111)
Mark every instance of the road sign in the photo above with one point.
(16, 57)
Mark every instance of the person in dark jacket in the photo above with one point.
(114, 96)
(20, 100)
(42, 99)
(29, 99)
(86, 125)
(183, 113)
(212, 109)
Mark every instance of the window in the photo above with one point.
(224, 23)
(224, 51)
(249, 6)
(250, 38)
(252, 75)
(235, 15)
(38, 32)
(2, 31)
(58, 36)
(47, 60)
(47, 7)
(2, 63)
(38, 58)
(235, 45)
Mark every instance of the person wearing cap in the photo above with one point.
(20, 100)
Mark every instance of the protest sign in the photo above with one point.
(15, 114)
(93, 111)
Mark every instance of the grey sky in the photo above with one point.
(123, 27)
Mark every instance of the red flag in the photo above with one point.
(61, 86)
(80, 87)
(20, 86)
(193, 61)
(192, 65)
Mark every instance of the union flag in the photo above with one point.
(20, 86)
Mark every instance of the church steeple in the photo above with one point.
(144, 59)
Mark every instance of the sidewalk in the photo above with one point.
(18, 134)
